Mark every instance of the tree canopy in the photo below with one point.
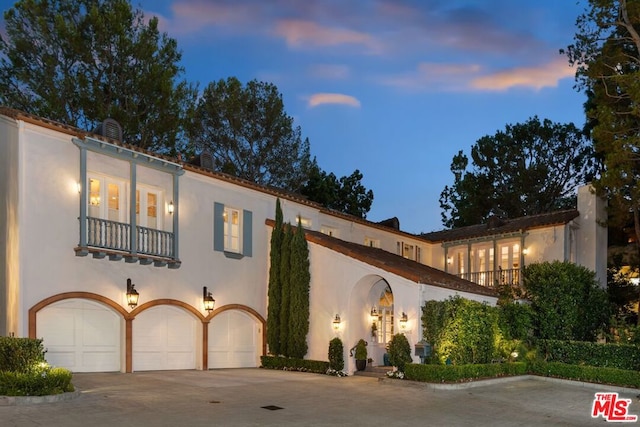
(81, 61)
(346, 194)
(249, 134)
(529, 168)
(606, 53)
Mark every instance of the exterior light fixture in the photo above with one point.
(374, 312)
(403, 320)
(79, 187)
(449, 260)
(170, 208)
(207, 300)
(525, 251)
(336, 322)
(132, 294)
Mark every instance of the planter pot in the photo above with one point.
(361, 364)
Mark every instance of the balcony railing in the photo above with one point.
(492, 278)
(112, 235)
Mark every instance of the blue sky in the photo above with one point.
(393, 88)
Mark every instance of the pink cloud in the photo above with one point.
(332, 98)
(298, 33)
(536, 77)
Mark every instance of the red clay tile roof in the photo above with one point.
(395, 264)
(502, 226)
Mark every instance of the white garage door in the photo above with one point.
(164, 338)
(234, 339)
(80, 335)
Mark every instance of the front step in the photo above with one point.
(374, 371)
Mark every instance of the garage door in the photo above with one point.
(164, 338)
(234, 339)
(80, 335)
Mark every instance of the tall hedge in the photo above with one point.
(275, 284)
(567, 302)
(299, 295)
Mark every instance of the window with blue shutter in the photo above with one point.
(232, 231)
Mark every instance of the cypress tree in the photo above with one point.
(285, 288)
(299, 302)
(275, 287)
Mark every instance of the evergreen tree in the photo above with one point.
(285, 282)
(275, 287)
(299, 302)
(81, 61)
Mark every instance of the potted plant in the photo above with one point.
(361, 355)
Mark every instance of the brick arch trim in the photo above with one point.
(33, 311)
(247, 309)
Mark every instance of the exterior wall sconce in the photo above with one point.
(170, 208)
(525, 251)
(403, 320)
(132, 294)
(79, 187)
(449, 260)
(207, 300)
(374, 312)
(336, 322)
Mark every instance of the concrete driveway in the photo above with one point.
(260, 397)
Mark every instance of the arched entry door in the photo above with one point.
(371, 316)
(81, 335)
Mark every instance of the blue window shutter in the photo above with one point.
(247, 231)
(218, 226)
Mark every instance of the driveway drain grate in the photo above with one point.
(271, 407)
(214, 401)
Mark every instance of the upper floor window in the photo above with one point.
(232, 230)
(106, 198)
(329, 231)
(147, 201)
(372, 243)
(305, 222)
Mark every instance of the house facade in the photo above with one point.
(86, 222)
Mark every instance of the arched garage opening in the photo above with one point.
(235, 337)
(166, 336)
(81, 331)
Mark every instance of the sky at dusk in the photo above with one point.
(394, 88)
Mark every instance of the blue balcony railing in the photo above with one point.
(112, 235)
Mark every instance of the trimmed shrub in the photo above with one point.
(37, 382)
(462, 373)
(399, 351)
(20, 354)
(361, 350)
(336, 354)
(620, 356)
(293, 364)
(592, 374)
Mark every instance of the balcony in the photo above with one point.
(113, 239)
(492, 278)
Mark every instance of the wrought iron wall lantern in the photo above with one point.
(207, 300)
(132, 294)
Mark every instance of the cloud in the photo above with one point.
(434, 76)
(188, 17)
(536, 77)
(329, 71)
(332, 98)
(301, 33)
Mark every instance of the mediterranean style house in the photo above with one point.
(124, 260)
